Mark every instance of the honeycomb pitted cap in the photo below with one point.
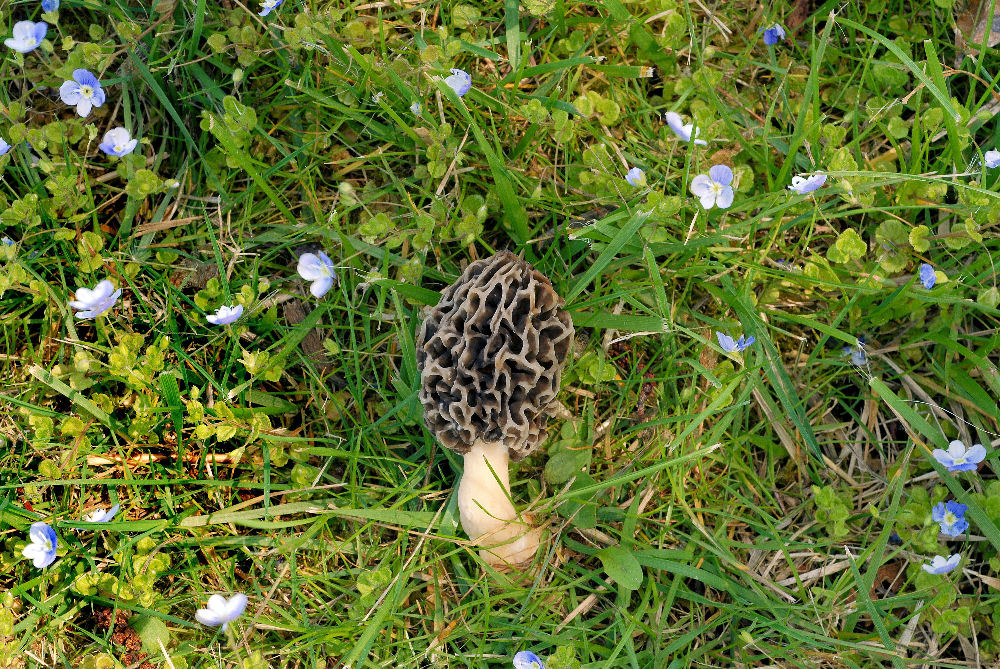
(490, 355)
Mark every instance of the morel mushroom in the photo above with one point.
(490, 355)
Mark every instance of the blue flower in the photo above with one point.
(225, 315)
(941, 564)
(42, 549)
(27, 36)
(460, 81)
(950, 515)
(320, 270)
(101, 515)
(774, 34)
(527, 660)
(6, 241)
(730, 345)
(92, 303)
(992, 158)
(681, 129)
(713, 189)
(4, 147)
(803, 185)
(50, 5)
(858, 356)
(416, 108)
(84, 92)
(636, 177)
(958, 458)
(927, 276)
(118, 142)
(268, 5)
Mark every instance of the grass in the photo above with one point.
(769, 508)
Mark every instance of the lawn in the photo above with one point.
(771, 229)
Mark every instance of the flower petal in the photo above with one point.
(69, 92)
(310, 268)
(85, 78)
(725, 198)
(956, 508)
(217, 603)
(956, 449)
(976, 454)
(676, 123)
(701, 185)
(104, 288)
(24, 30)
(236, 605)
(943, 457)
(208, 617)
(325, 259)
(321, 286)
(721, 174)
(83, 107)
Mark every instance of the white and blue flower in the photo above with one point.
(459, 81)
(42, 549)
(941, 564)
(527, 660)
(951, 517)
(636, 177)
(91, 303)
(730, 345)
(225, 315)
(714, 189)
(681, 129)
(118, 142)
(958, 458)
(84, 92)
(268, 6)
(101, 515)
(27, 36)
(803, 185)
(222, 611)
(319, 269)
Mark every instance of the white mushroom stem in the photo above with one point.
(487, 515)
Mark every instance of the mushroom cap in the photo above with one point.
(490, 355)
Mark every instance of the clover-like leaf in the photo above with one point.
(989, 297)
(849, 246)
(918, 238)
